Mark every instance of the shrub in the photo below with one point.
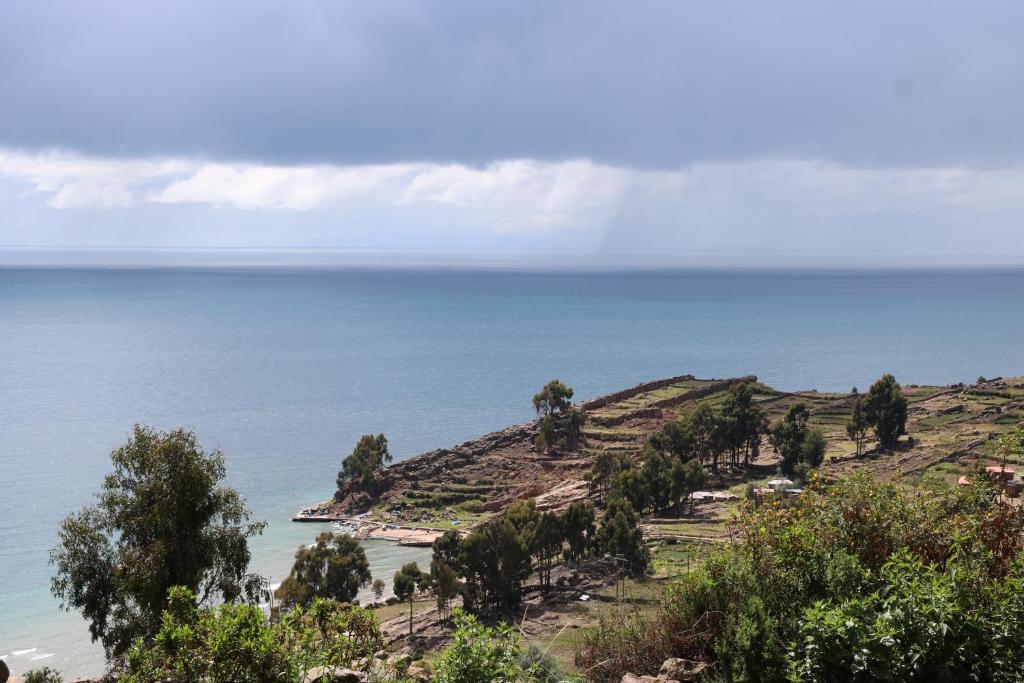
(481, 654)
(234, 643)
(44, 675)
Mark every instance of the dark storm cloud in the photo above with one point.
(644, 84)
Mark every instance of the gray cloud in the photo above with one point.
(652, 84)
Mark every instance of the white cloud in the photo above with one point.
(765, 202)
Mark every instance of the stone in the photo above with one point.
(633, 678)
(328, 674)
(418, 674)
(682, 670)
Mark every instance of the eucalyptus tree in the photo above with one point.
(163, 518)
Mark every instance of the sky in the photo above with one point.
(548, 133)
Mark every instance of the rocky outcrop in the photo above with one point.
(329, 674)
(675, 670)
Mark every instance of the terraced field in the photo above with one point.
(949, 428)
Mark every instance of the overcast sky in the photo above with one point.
(553, 133)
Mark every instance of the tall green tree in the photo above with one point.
(553, 399)
(494, 560)
(578, 524)
(886, 410)
(406, 582)
(620, 537)
(444, 574)
(787, 436)
(631, 486)
(163, 518)
(334, 566)
(560, 424)
(686, 478)
(857, 426)
(744, 422)
(368, 457)
(605, 470)
(547, 546)
(657, 477)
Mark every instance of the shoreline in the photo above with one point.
(367, 529)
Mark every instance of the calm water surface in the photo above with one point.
(284, 369)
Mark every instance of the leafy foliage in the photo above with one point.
(481, 654)
(800, 447)
(553, 399)
(406, 582)
(816, 587)
(334, 567)
(923, 624)
(43, 675)
(234, 643)
(560, 424)
(619, 536)
(367, 458)
(886, 410)
(163, 519)
(858, 424)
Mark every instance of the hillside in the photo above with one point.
(948, 428)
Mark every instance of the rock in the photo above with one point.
(399, 662)
(683, 670)
(328, 674)
(418, 674)
(5, 673)
(633, 678)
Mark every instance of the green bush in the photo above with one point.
(44, 675)
(481, 654)
(857, 581)
(234, 643)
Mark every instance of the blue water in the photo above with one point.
(283, 369)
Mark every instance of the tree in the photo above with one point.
(578, 524)
(630, 485)
(745, 421)
(407, 580)
(547, 546)
(657, 475)
(812, 450)
(553, 399)
(334, 567)
(444, 577)
(858, 424)
(494, 560)
(605, 470)
(686, 478)
(367, 458)
(620, 537)
(163, 519)
(560, 423)
(378, 589)
(788, 435)
(702, 424)
(886, 410)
